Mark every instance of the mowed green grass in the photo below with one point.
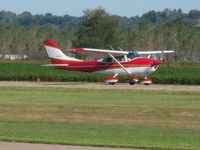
(119, 118)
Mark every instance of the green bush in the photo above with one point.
(176, 73)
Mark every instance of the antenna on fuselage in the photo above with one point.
(120, 49)
(111, 47)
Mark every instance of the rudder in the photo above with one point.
(54, 51)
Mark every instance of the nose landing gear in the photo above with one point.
(147, 81)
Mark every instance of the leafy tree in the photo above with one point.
(99, 30)
(167, 29)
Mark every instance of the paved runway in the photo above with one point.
(30, 146)
(89, 85)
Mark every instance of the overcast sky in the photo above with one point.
(75, 7)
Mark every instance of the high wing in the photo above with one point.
(99, 53)
(155, 52)
(102, 53)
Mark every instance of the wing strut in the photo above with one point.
(119, 63)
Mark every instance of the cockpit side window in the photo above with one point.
(123, 58)
(109, 59)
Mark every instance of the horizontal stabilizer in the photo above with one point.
(55, 65)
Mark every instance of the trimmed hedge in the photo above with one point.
(31, 71)
(188, 73)
(185, 73)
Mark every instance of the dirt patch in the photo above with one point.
(185, 114)
(117, 114)
(31, 146)
(89, 85)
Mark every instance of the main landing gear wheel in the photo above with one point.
(132, 80)
(111, 83)
(111, 80)
(146, 84)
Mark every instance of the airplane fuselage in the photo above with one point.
(137, 67)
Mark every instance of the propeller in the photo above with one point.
(161, 56)
(156, 62)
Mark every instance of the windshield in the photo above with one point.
(132, 55)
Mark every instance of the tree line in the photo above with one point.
(169, 29)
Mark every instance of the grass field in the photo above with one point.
(176, 73)
(116, 118)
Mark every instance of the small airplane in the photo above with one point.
(111, 62)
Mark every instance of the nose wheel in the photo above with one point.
(147, 81)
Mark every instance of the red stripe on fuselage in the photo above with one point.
(94, 65)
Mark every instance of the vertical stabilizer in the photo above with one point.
(54, 52)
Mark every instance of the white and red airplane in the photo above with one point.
(112, 62)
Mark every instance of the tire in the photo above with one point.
(111, 83)
(146, 84)
(132, 82)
